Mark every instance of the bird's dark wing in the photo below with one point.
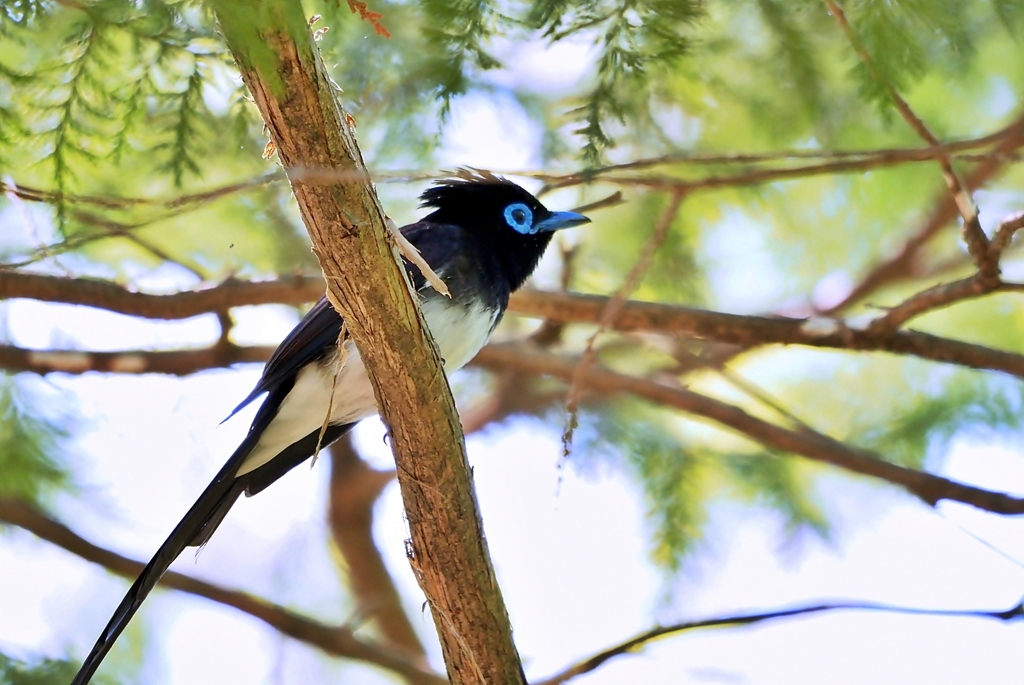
(470, 272)
(311, 339)
(316, 334)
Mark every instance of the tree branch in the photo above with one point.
(354, 489)
(749, 331)
(862, 159)
(340, 641)
(812, 445)
(959, 148)
(634, 643)
(612, 308)
(335, 640)
(900, 266)
(280, 65)
(985, 281)
(175, 363)
(31, 194)
(976, 240)
(113, 297)
(564, 308)
(815, 446)
(759, 176)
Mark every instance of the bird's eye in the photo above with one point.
(519, 217)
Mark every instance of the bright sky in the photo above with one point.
(572, 557)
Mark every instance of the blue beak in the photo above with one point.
(559, 220)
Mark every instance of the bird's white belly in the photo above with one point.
(460, 332)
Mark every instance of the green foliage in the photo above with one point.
(682, 475)
(616, 243)
(106, 79)
(30, 441)
(118, 75)
(634, 38)
(16, 13)
(43, 672)
(962, 404)
(906, 38)
(675, 479)
(389, 84)
(1010, 13)
(779, 483)
(456, 31)
(790, 27)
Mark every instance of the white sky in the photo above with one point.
(572, 559)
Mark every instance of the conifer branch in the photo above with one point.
(974, 236)
(927, 487)
(901, 266)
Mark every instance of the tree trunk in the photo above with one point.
(315, 142)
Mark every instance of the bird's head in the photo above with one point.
(482, 201)
(504, 217)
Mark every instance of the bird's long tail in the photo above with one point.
(203, 518)
(195, 528)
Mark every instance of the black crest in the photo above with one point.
(472, 196)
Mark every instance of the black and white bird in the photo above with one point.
(484, 238)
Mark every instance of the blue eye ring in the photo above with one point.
(520, 218)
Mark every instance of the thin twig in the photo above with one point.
(957, 147)
(609, 201)
(119, 202)
(929, 300)
(10, 190)
(974, 236)
(639, 641)
(985, 281)
(740, 179)
(340, 359)
(901, 266)
(109, 228)
(612, 309)
(834, 161)
(759, 394)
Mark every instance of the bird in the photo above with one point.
(484, 237)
